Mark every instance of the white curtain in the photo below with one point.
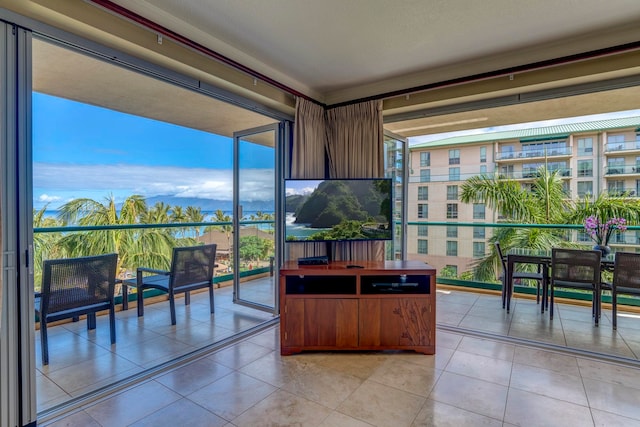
(355, 143)
(308, 161)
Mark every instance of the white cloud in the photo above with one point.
(45, 198)
(149, 181)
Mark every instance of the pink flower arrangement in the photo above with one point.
(600, 232)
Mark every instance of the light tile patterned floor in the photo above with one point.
(476, 378)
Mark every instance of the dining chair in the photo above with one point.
(626, 279)
(538, 276)
(192, 268)
(577, 269)
(72, 287)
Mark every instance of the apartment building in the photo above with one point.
(590, 157)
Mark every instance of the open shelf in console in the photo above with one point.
(394, 284)
(320, 285)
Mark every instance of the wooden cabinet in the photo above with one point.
(382, 305)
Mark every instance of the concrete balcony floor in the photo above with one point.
(491, 368)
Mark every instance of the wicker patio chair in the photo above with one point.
(191, 268)
(626, 279)
(577, 269)
(73, 287)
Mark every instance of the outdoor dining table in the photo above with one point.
(541, 257)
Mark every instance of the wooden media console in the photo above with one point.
(358, 305)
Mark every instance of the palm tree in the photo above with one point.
(194, 214)
(219, 216)
(546, 203)
(177, 215)
(45, 245)
(134, 248)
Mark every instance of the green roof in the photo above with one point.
(535, 134)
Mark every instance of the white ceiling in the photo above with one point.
(340, 50)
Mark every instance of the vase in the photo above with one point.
(605, 249)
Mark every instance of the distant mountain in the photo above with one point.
(210, 204)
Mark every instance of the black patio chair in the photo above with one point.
(577, 269)
(73, 287)
(626, 279)
(538, 276)
(191, 268)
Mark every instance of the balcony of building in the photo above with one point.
(626, 147)
(622, 170)
(529, 155)
(531, 174)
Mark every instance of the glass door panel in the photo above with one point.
(254, 257)
(394, 168)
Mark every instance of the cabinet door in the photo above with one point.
(321, 322)
(397, 322)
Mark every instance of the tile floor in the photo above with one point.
(486, 371)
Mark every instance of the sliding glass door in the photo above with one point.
(256, 228)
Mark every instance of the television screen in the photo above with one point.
(338, 209)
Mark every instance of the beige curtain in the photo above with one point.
(1, 257)
(355, 144)
(308, 161)
(309, 141)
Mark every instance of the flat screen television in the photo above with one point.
(338, 209)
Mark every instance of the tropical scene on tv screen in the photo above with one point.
(321, 210)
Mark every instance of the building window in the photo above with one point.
(454, 157)
(454, 174)
(585, 188)
(483, 154)
(615, 188)
(425, 159)
(452, 231)
(425, 175)
(452, 248)
(585, 167)
(478, 249)
(423, 210)
(478, 233)
(585, 146)
(483, 169)
(615, 165)
(452, 192)
(583, 237)
(506, 152)
(423, 246)
(478, 211)
(423, 230)
(615, 142)
(423, 193)
(452, 210)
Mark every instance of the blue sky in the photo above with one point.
(81, 150)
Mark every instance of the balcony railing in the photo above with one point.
(621, 146)
(531, 174)
(622, 170)
(532, 154)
